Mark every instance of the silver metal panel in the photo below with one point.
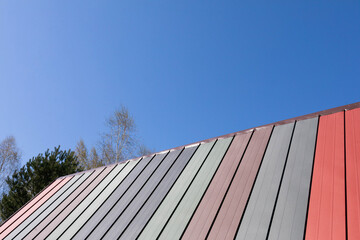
(74, 215)
(43, 207)
(143, 215)
(53, 206)
(163, 213)
(290, 212)
(124, 193)
(257, 216)
(181, 216)
(121, 214)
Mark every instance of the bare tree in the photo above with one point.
(87, 161)
(82, 154)
(118, 143)
(9, 159)
(94, 159)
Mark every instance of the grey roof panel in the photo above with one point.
(180, 218)
(53, 206)
(124, 193)
(168, 205)
(43, 207)
(143, 215)
(257, 216)
(290, 212)
(123, 211)
(73, 217)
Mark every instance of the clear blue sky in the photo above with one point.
(187, 70)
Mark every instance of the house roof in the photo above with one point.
(293, 179)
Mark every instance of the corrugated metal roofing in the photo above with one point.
(294, 179)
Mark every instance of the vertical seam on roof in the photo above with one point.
(60, 180)
(232, 179)
(149, 194)
(207, 187)
(198, 145)
(142, 158)
(346, 215)
(89, 204)
(46, 224)
(128, 203)
(252, 187)
(167, 221)
(311, 178)
(281, 179)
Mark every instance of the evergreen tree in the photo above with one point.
(37, 173)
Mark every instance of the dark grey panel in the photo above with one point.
(142, 216)
(126, 190)
(290, 212)
(125, 209)
(257, 216)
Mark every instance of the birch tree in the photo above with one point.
(9, 159)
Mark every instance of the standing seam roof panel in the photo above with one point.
(292, 204)
(326, 217)
(257, 216)
(211, 202)
(30, 206)
(44, 206)
(35, 207)
(231, 211)
(54, 205)
(127, 190)
(102, 188)
(147, 210)
(168, 205)
(182, 214)
(352, 125)
(60, 212)
(120, 215)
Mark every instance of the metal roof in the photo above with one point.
(294, 179)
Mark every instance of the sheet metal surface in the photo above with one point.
(326, 216)
(257, 216)
(44, 206)
(37, 206)
(137, 223)
(73, 218)
(211, 202)
(352, 124)
(182, 214)
(30, 206)
(55, 218)
(231, 211)
(36, 220)
(129, 188)
(168, 205)
(125, 209)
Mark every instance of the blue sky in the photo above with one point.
(186, 70)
